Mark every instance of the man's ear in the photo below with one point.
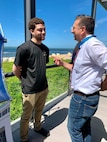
(31, 30)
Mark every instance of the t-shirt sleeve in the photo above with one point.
(20, 57)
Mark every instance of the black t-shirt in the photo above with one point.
(32, 58)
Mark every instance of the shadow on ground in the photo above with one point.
(98, 130)
(50, 122)
(56, 118)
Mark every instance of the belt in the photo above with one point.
(82, 94)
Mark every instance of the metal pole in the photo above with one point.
(93, 10)
(33, 8)
(29, 12)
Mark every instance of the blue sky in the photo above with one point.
(58, 15)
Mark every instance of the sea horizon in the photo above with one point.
(11, 51)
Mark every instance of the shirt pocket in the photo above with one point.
(78, 65)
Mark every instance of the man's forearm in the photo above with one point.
(67, 65)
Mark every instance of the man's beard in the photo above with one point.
(39, 38)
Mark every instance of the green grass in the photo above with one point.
(57, 79)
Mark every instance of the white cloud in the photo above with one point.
(101, 21)
(65, 31)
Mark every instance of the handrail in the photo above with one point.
(11, 74)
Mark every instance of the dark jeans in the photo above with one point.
(81, 110)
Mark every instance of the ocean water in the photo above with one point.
(11, 51)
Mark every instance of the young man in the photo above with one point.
(87, 69)
(30, 67)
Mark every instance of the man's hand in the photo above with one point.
(104, 84)
(57, 61)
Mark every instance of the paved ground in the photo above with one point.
(55, 120)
